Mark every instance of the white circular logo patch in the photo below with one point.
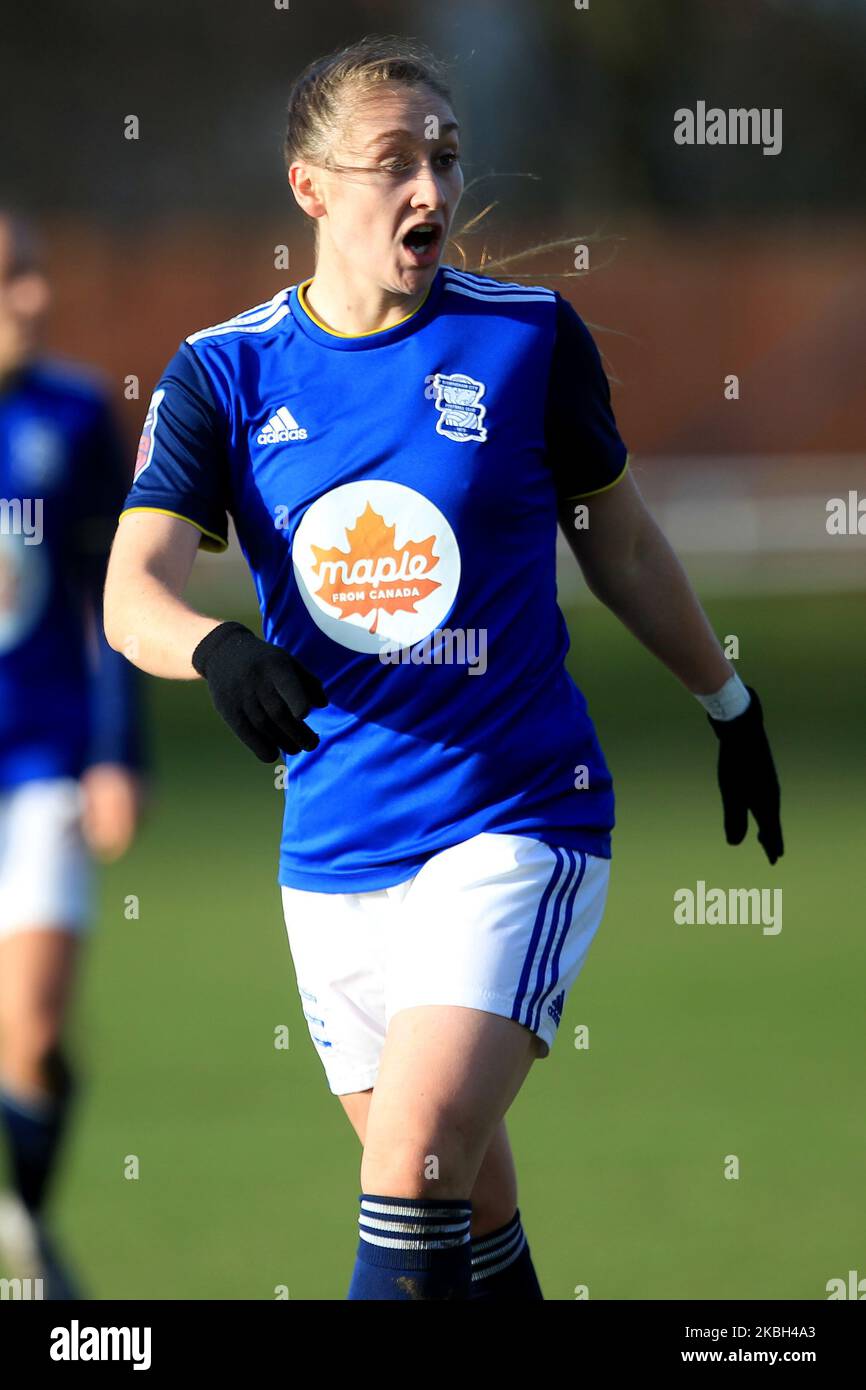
(377, 565)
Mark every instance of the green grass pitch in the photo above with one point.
(704, 1041)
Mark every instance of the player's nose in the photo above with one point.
(427, 187)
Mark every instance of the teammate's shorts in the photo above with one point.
(498, 922)
(45, 867)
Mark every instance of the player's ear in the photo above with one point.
(306, 184)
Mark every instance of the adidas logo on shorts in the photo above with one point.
(281, 428)
(554, 1008)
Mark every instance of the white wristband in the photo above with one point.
(728, 702)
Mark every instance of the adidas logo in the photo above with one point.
(281, 428)
(554, 1008)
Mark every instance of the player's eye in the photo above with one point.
(398, 165)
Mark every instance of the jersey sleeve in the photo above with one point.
(181, 467)
(584, 448)
(102, 480)
(116, 715)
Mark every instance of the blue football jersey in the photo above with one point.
(66, 699)
(395, 497)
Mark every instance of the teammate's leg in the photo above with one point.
(37, 969)
(45, 901)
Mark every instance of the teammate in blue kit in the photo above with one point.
(397, 441)
(70, 754)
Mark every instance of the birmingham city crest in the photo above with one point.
(460, 415)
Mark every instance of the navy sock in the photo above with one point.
(502, 1268)
(34, 1129)
(412, 1248)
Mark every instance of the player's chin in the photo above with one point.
(413, 278)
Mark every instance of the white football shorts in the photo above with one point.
(498, 922)
(45, 867)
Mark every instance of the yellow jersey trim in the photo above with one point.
(595, 492)
(210, 540)
(335, 332)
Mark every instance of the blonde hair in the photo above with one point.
(325, 92)
(319, 99)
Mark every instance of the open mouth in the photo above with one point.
(423, 240)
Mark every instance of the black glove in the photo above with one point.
(260, 690)
(747, 778)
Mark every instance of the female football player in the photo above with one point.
(396, 440)
(70, 756)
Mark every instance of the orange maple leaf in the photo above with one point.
(374, 574)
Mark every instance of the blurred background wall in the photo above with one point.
(704, 261)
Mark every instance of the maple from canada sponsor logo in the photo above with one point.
(377, 564)
(375, 571)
